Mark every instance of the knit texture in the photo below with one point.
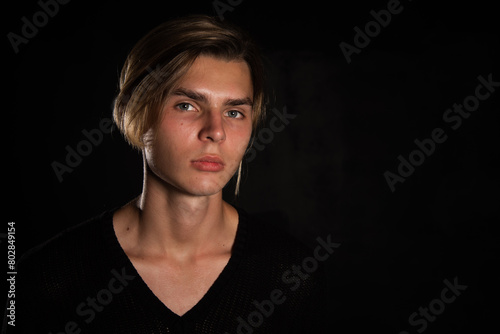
(81, 281)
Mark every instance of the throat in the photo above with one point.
(144, 235)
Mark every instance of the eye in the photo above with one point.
(185, 106)
(234, 114)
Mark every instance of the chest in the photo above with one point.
(180, 287)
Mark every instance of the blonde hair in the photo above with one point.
(163, 56)
(157, 62)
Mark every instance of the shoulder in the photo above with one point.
(270, 244)
(65, 257)
(269, 233)
(68, 242)
(55, 276)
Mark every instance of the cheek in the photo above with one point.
(237, 140)
(174, 136)
(165, 145)
(240, 144)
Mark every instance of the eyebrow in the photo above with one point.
(203, 98)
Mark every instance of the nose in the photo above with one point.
(213, 127)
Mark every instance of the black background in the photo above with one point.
(325, 170)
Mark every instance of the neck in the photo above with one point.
(169, 223)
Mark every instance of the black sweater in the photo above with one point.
(81, 281)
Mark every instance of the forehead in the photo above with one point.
(218, 77)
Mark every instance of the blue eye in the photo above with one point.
(234, 114)
(185, 106)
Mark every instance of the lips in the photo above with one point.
(208, 163)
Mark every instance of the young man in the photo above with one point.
(178, 259)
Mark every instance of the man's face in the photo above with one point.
(205, 129)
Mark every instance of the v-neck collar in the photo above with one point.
(145, 294)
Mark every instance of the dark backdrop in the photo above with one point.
(324, 170)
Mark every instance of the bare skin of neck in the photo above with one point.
(163, 222)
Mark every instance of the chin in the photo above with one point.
(202, 186)
(204, 189)
(206, 184)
